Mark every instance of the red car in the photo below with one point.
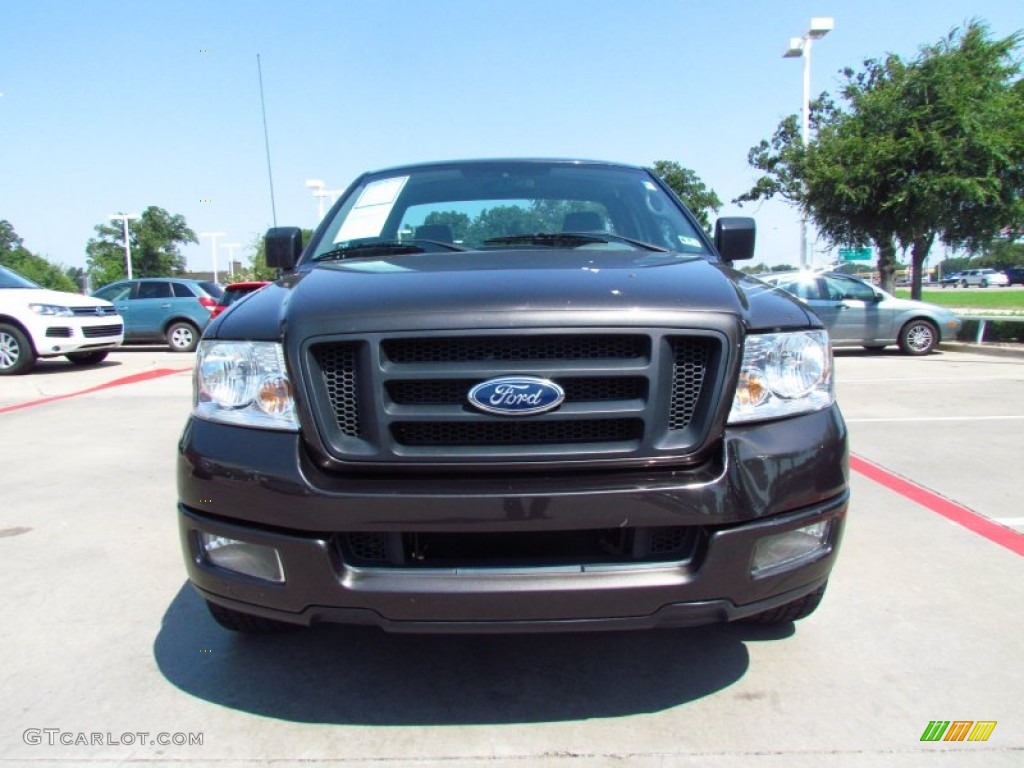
(233, 292)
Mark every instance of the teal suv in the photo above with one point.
(168, 309)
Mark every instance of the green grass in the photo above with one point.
(958, 298)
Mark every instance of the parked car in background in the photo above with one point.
(983, 278)
(856, 313)
(36, 322)
(950, 281)
(170, 309)
(1015, 275)
(233, 292)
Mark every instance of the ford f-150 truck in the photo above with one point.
(522, 395)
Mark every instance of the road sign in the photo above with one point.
(855, 254)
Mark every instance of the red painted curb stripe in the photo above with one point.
(959, 514)
(135, 378)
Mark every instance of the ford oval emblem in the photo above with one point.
(516, 396)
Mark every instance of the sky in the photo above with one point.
(111, 107)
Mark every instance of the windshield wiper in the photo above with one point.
(382, 248)
(571, 240)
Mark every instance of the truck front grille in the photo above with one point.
(629, 396)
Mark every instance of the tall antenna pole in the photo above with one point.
(266, 140)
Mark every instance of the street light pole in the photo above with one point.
(800, 47)
(124, 217)
(213, 244)
(231, 256)
(317, 185)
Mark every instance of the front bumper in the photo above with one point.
(767, 478)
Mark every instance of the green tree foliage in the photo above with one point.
(531, 217)
(156, 238)
(16, 256)
(761, 268)
(699, 198)
(926, 150)
(458, 222)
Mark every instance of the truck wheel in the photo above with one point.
(87, 358)
(182, 337)
(963, 283)
(918, 337)
(984, 283)
(237, 621)
(794, 611)
(16, 353)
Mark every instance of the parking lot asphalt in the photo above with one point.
(103, 640)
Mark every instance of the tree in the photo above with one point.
(923, 150)
(456, 221)
(701, 200)
(156, 238)
(37, 269)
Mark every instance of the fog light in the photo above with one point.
(242, 557)
(783, 551)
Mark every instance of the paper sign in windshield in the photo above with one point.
(371, 211)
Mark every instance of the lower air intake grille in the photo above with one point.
(367, 549)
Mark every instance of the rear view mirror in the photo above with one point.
(734, 237)
(282, 247)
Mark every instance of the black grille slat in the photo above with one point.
(98, 311)
(461, 433)
(476, 349)
(454, 391)
(689, 369)
(98, 331)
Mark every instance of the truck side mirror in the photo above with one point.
(282, 247)
(734, 237)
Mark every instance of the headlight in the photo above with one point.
(783, 374)
(244, 383)
(52, 310)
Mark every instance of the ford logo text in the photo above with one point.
(516, 396)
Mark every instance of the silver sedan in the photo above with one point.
(857, 313)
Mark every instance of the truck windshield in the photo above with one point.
(507, 206)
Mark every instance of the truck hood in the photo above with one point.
(497, 288)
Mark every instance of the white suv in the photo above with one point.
(983, 278)
(36, 322)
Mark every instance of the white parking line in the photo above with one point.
(1015, 417)
(1009, 375)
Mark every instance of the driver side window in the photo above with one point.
(842, 288)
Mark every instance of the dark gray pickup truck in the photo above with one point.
(522, 395)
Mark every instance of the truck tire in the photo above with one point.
(182, 337)
(794, 611)
(918, 337)
(87, 358)
(16, 353)
(237, 621)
